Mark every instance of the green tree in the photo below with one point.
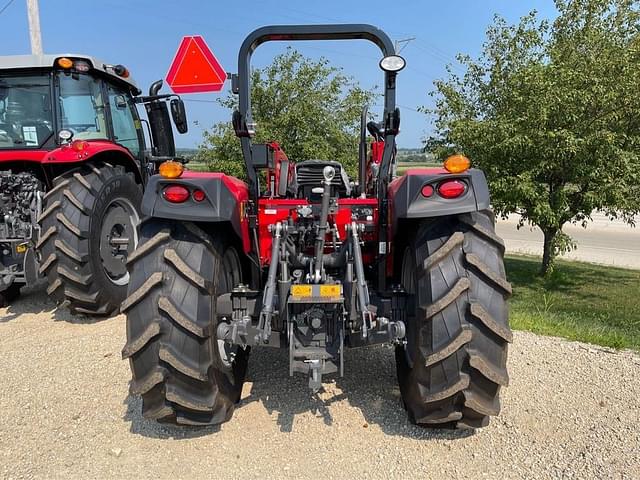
(551, 112)
(308, 106)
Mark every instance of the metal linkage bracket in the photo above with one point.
(236, 311)
(268, 299)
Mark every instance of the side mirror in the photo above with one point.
(179, 115)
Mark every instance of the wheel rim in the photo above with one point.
(229, 279)
(409, 284)
(118, 239)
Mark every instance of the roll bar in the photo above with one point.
(242, 119)
(307, 32)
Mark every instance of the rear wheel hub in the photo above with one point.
(118, 238)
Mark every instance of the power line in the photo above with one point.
(198, 101)
(6, 6)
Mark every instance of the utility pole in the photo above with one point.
(34, 27)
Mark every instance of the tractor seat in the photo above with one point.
(309, 176)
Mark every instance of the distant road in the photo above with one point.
(603, 241)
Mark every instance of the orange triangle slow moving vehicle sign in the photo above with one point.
(195, 69)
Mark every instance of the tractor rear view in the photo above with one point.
(302, 257)
(73, 164)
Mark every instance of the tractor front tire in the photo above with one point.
(183, 373)
(87, 230)
(454, 362)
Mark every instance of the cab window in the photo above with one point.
(126, 125)
(82, 107)
(26, 120)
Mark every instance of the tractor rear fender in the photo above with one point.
(63, 158)
(408, 202)
(225, 200)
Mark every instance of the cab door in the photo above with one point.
(126, 127)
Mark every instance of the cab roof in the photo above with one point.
(10, 62)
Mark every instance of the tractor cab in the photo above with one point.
(53, 100)
(72, 120)
(42, 96)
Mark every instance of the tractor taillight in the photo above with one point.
(427, 191)
(175, 193)
(199, 195)
(452, 188)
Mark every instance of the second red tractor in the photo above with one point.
(73, 165)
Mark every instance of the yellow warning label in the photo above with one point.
(329, 290)
(301, 290)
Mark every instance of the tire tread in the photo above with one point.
(462, 324)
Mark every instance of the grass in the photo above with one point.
(579, 301)
(197, 166)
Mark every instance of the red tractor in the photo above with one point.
(303, 258)
(73, 164)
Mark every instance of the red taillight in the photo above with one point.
(198, 195)
(427, 191)
(175, 193)
(452, 188)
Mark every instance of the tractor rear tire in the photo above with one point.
(182, 372)
(454, 362)
(87, 230)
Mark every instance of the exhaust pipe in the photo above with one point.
(160, 123)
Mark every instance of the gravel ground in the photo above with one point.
(571, 411)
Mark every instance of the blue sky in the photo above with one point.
(144, 35)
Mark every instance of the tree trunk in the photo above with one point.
(549, 253)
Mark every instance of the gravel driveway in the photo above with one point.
(571, 411)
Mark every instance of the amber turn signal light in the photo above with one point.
(171, 169)
(65, 62)
(457, 164)
(79, 145)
